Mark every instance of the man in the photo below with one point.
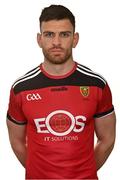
(55, 109)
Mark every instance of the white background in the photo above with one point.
(98, 22)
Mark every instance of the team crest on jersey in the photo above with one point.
(84, 91)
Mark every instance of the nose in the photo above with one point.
(56, 40)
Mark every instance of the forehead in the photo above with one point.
(56, 25)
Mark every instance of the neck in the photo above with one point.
(58, 69)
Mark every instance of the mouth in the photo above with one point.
(56, 50)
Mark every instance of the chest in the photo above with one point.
(76, 100)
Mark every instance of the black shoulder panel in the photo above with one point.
(42, 81)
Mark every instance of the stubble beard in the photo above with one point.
(57, 59)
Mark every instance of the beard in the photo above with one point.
(59, 58)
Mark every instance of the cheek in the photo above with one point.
(45, 44)
(68, 45)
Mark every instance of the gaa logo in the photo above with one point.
(60, 123)
(33, 97)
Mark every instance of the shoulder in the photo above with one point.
(24, 82)
(91, 76)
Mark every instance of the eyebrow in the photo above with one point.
(44, 32)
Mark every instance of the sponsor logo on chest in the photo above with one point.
(60, 123)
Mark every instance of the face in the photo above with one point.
(57, 39)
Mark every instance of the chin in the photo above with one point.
(58, 61)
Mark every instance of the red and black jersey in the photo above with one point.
(59, 112)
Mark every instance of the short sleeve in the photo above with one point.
(105, 105)
(15, 113)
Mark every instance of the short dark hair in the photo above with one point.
(56, 12)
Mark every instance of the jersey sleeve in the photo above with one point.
(15, 113)
(105, 106)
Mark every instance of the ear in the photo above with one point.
(75, 40)
(39, 40)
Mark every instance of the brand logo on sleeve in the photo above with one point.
(33, 97)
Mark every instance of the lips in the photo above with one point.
(56, 50)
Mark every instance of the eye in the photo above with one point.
(48, 34)
(65, 34)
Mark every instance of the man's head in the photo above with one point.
(56, 12)
(57, 37)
